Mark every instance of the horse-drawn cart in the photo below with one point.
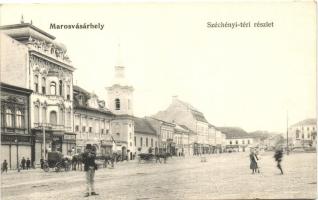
(57, 161)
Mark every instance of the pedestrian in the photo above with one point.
(278, 158)
(90, 166)
(28, 163)
(42, 163)
(253, 159)
(4, 166)
(23, 163)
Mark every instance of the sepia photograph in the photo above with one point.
(158, 100)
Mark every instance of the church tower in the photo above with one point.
(120, 94)
(120, 102)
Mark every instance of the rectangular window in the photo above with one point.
(141, 141)
(76, 128)
(83, 129)
(102, 131)
(90, 129)
(135, 140)
(146, 142)
(107, 131)
(151, 142)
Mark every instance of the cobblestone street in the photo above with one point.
(223, 176)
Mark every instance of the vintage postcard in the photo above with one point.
(151, 100)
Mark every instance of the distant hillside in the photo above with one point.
(234, 132)
(263, 134)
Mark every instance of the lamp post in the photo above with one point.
(17, 142)
(44, 147)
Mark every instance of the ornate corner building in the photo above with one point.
(32, 59)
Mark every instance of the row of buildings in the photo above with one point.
(42, 110)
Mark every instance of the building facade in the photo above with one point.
(146, 138)
(185, 114)
(165, 134)
(91, 122)
(16, 138)
(303, 134)
(39, 63)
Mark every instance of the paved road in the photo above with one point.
(223, 176)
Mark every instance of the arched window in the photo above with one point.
(53, 117)
(68, 93)
(36, 83)
(9, 118)
(61, 87)
(43, 84)
(236, 142)
(117, 104)
(36, 114)
(53, 88)
(44, 114)
(62, 118)
(230, 142)
(19, 119)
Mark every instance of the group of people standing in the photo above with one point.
(25, 164)
(254, 166)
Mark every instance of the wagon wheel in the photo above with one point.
(46, 168)
(57, 167)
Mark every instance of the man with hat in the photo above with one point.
(89, 157)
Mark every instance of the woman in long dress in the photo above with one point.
(253, 159)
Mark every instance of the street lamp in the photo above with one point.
(17, 142)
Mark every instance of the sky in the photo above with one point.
(245, 77)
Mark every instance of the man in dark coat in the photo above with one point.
(278, 158)
(253, 159)
(28, 163)
(4, 166)
(90, 166)
(23, 163)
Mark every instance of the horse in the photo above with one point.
(77, 162)
(162, 155)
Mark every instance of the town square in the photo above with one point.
(221, 177)
(118, 103)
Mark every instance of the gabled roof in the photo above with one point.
(81, 90)
(310, 121)
(195, 112)
(143, 126)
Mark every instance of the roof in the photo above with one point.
(234, 132)
(79, 89)
(143, 126)
(195, 112)
(309, 121)
(100, 110)
(185, 127)
(5, 86)
(26, 25)
(164, 122)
